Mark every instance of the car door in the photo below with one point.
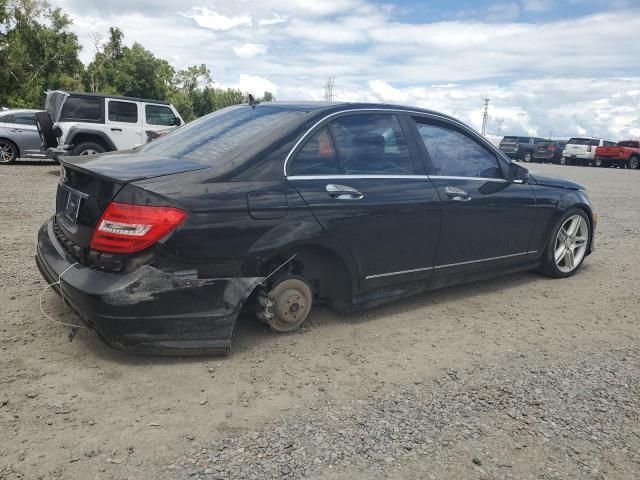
(124, 124)
(24, 133)
(360, 175)
(487, 220)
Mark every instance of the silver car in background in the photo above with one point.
(19, 136)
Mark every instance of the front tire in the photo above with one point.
(568, 245)
(88, 148)
(527, 157)
(564, 161)
(633, 163)
(8, 151)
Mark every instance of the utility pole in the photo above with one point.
(485, 117)
(328, 89)
(499, 123)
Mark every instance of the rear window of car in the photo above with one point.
(510, 139)
(629, 144)
(216, 139)
(579, 141)
(84, 109)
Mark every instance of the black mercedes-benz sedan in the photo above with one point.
(280, 206)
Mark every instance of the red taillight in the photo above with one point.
(126, 228)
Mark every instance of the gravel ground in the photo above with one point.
(517, 377)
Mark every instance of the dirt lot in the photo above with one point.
(519, 377)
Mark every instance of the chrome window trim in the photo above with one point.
(378, 110)
(414, 177)
(436, 267)
(454, 177)
(347, 177)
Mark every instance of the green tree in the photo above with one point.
(37, 52)
(267, 97)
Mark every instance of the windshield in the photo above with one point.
(217, 138)
(510, 139)
(629, 144)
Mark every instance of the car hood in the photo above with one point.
(550, 181)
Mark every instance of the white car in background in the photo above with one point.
(87, 123)
(582, 150)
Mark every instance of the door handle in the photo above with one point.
(457, 194)
(116, 129)
(16, 130)
(343, 192)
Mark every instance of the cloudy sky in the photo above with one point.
(565, 67)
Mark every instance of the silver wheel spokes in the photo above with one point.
(6, 152)
(571, 243)
(90, 151)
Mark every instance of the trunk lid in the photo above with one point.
(87, 184)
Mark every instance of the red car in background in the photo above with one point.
(625, 154)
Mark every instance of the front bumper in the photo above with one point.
(147, 311)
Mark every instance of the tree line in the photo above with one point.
(38, 52)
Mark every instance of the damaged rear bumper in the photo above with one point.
(147, 311)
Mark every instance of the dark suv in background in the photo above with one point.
(520, 148)
(549, 151)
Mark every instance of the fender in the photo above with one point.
(75, 131)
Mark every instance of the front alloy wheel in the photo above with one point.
(571, 243)
(633, 163)
(7, 152)
(527, 157)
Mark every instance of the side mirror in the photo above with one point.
(517, 173)
(177, 122)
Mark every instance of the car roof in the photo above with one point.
(118, 97)
(335, 107)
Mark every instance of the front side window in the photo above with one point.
(83, 109)
(317, 157)
(126, 112)
(455, 154)
(159, 115)
(372, 145)
(24, 118)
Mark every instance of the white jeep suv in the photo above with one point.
(87, 123)
(582, 151)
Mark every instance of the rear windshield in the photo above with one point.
(629, 144)
(544, 144)
(515, 139)
(216, 138)
(583, 141)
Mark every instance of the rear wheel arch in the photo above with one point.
(326, 271)
(78, 137)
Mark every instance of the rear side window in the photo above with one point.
(6, 118)
(609, 144)
(123, 112)
(594, 143)
(629, 144)
(317, 157)
(159, 115)
(24, 118)
(454, 154)
(84, 109)
(372, 145)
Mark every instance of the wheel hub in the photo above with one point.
(290, 305)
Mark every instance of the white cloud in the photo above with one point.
(255, 85)
(250, 50)
(213, 20)
(549, 75)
